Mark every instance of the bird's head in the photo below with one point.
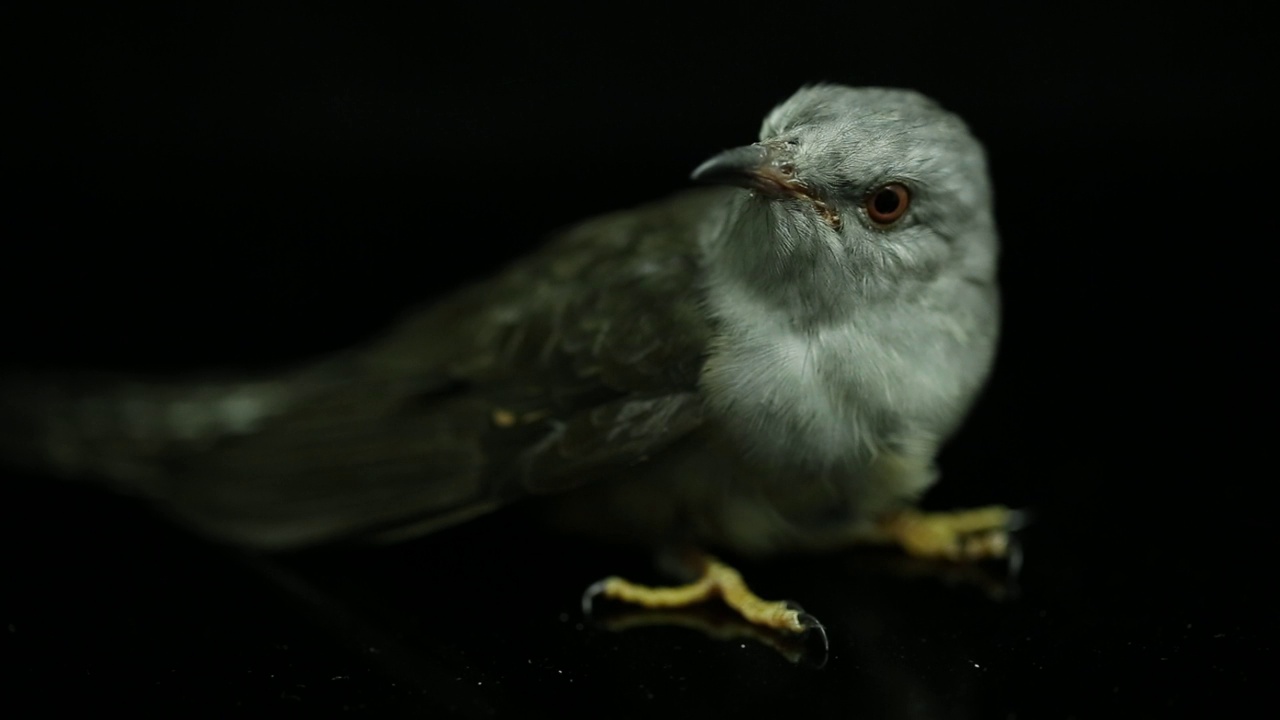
(854, 194)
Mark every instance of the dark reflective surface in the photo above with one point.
(107, 607)
(246, 188)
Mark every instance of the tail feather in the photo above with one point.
(121, 429)
(309, 456)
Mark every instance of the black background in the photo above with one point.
(218, 186)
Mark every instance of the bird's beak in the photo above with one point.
(767, 169)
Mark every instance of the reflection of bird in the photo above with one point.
(769, 367)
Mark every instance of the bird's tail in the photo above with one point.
(310, 455)
(125, 430)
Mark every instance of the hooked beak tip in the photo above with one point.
(739, 166)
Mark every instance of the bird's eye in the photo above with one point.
(887, 203)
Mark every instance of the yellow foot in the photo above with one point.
(960, 535)
(718, 622)
(716, 580)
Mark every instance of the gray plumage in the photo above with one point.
(761, 368)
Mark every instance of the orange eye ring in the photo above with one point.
(887, 203)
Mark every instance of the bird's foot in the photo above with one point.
(715, 580)
(721, 623)
(976, 534)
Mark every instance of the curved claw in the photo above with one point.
(1013, 559)
(591, 593)
(1019, 519)
(814, 628)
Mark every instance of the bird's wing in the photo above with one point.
(584, 354)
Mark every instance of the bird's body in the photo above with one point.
(760, 370)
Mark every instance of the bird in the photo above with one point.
(765, 365)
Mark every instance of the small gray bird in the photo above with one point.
(768, 366)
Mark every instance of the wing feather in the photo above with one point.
(583, 355)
